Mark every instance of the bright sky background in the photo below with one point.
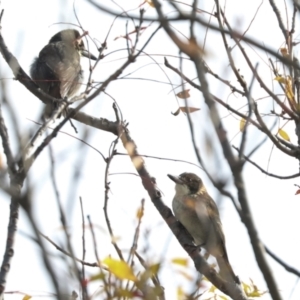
(146, 105)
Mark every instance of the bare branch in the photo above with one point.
(265, 172)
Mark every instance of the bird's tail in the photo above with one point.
(226, 271)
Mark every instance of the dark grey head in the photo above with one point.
(190, 180)
(72, 37)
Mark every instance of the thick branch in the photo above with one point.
(184, 239)
(194, 53)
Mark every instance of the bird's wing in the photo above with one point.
(203, 213)
(216, 241)
(44, 77)
(214, 216)
(64, 62)
(208, 214)
(192, 214)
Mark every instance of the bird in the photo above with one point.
(199, 214)
(57, 69)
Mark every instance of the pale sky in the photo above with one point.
(147, 105)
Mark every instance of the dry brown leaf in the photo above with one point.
(150, 3)
(183, 94)
(284, 52)
(188, 109)
(176, 113)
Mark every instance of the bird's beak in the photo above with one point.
(87, 54)
(176, 179)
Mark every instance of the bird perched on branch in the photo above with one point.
(57, 70)
(198, 213)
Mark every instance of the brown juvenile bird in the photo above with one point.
(198, 213)
(57, 70)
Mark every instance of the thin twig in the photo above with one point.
(265, 172)
(83, 285)
(282, 263)
(106, 285)
(95, 264)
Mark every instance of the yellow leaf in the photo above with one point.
(246, 287)
(283, 134)
(180, 261)
(99, 276)
(188, 109)
(242, 124)
(289, 93)
(287, 81)
(27, 297)
(119, 268)
(223, 297)
(289, 90)
(139, 213)
(150, 272)
(257, 294)
(212, 289)
(180, 293)
(280, 79)
(183, 94)
(154, 268)
(252, 290)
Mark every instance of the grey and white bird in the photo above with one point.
(199, 214)
(57, 69)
